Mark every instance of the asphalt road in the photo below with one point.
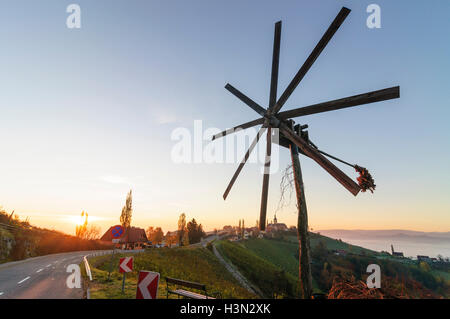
(41, 277)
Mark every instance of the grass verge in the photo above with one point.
(193, 264)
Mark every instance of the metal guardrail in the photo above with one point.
(88, 269)
(101, 253)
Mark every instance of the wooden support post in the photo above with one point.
(302, 226)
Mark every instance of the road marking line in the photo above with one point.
(1, 293)
(39, 270)
(25, 279)
(48, 265)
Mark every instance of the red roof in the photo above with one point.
(132, 235)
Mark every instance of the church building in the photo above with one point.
(275, 226)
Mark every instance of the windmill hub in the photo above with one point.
(274, 122)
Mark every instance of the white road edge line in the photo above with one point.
(39, 270)
(25, 279)
(48, 265)
(1, 293)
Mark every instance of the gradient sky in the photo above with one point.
(87, 114)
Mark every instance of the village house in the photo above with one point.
(134, 238)
(253, 231)
(423, 258)
(396, 253)
(228, 228)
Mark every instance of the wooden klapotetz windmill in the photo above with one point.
(296, 138)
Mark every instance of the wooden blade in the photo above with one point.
(241, 96)
(355, 100)
(275, 65)
(265, 188)
(312, 57)
(244, 160)
(311, 152)
(239, 127)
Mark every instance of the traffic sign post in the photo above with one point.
(116, 233)
(147, 287)
(125, 265)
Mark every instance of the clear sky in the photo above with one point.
(86, 114)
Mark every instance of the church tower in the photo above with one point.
(275, 219)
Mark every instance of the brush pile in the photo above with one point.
(365, 180)
(391, 288)
(343, 289)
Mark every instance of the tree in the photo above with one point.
(159, 235)
(155, 235)
(80, 230)
(85, 231)
(171, 238)
(255, 230)
(181, 228)
(92, 233)
(150, 230)
(424, 266)
(185, 240)
(127, 210)
(195, 231)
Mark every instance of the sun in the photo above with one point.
(77, 220)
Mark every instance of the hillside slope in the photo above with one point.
(400, 278)
(273, 281)
(186, 263)
(271, 265)
(20, 240)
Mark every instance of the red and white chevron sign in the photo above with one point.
(147, 287)
(126, 264)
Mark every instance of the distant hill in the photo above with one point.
(387, 234)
